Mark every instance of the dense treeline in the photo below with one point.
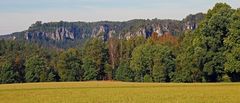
(211, 53)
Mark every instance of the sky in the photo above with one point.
(18, 15)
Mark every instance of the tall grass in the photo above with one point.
(120, 92)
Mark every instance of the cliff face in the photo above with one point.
(60, 34)
(75, 31)
(192, 21)
(146, 31)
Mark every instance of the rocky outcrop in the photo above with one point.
(158, 27)
(102, 32)
(191, 22)
(60, 34)
(7, 37)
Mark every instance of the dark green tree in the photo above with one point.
(35, 69)
(164, 64)
(95, 55)
(124, 73)
(206, 48)
(6, 73)
(232, 43)
(211, 35)
(153, 60)
(90, 71)
(70, 66)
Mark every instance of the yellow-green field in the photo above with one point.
(119, 92)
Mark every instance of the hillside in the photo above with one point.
(68, 34)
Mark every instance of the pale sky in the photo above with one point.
(18, 15)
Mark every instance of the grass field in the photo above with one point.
(119, 92)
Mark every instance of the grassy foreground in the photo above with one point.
(119, 92)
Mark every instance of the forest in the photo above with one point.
(210, 53)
